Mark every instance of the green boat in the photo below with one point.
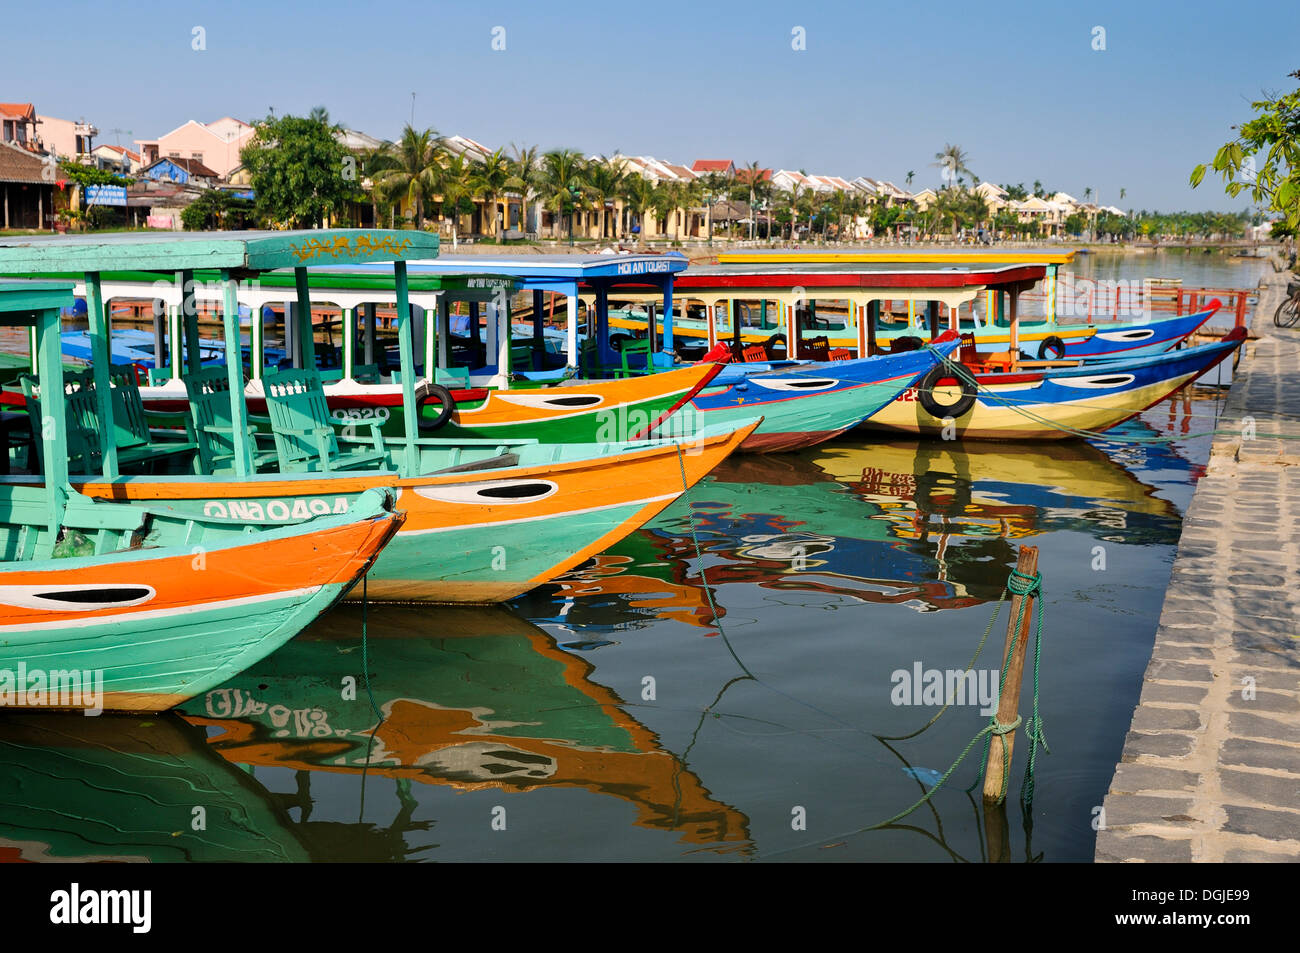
(134, 607)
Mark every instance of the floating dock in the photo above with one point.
(1211, 766)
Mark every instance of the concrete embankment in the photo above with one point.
(1211, 765)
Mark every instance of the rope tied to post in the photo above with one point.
(1018, 584)
(1028, 587)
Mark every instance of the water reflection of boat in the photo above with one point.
(912, 522)
(489, 701)
(126, 789)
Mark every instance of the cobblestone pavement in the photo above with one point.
(1211, 764)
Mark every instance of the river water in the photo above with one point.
(660, 704)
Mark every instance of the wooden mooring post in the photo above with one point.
(1009, 702)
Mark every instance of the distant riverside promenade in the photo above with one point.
(1211, 766)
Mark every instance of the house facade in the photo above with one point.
(215, 145)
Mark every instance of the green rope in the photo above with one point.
(1019, 584)
(961, 372)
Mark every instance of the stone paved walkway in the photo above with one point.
(1211, 765)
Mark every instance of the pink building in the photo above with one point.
(214, 144)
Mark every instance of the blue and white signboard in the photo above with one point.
(106, 195)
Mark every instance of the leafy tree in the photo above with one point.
(1016, 192)
(85, 175)
(1274, 134)
(216, 209)
(298, 171)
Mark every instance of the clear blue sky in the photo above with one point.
(878, 90)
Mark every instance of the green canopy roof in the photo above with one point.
(177, 251)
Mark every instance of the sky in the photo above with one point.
(1093, 95)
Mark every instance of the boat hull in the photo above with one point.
(810, 404)
(476, 537)
(1048, 405)
(207, 615)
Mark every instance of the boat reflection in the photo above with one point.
(129, 788)
(473, 698)
(927, 524)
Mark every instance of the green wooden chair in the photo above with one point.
(208, 391)
(640, 349)
(305, 440)
(82, 418)
(136, 442)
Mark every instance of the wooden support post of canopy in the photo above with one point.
(873, 316)
(190, 318)
(47, 355)
(1014, 333)
(235, 374)
(406, 354)
(101, 349)
(305, 332)
(1022, 611)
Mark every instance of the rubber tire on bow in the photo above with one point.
(925, 394)
(913, 343)
(1051, 343)
(448, 407)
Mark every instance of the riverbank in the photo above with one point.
(1210, 769)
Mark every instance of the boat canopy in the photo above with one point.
(236, 257)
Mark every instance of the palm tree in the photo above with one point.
(1122, 193)
(525, 173)
(604, 180)
(456, 187)
(489, 177)
(410, 170)
(1038, 189)
(1087, 193)
(910, 176)
(638, 194)
(562, 186)
(952, 160)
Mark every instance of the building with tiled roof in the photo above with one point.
(18, 126)
(705, 166)
(215, 145)
(26, 188)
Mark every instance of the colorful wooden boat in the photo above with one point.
(135, 608)
(812, 403)
(1045, 339)
(481, 533)
(1051, 402)
(489, 519)
(474, 700)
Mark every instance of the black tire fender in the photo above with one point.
(1051, 343)
(430, 391)
(925, 393)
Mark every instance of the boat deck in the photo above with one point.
(1211, 766)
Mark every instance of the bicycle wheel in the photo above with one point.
(1287, 313)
